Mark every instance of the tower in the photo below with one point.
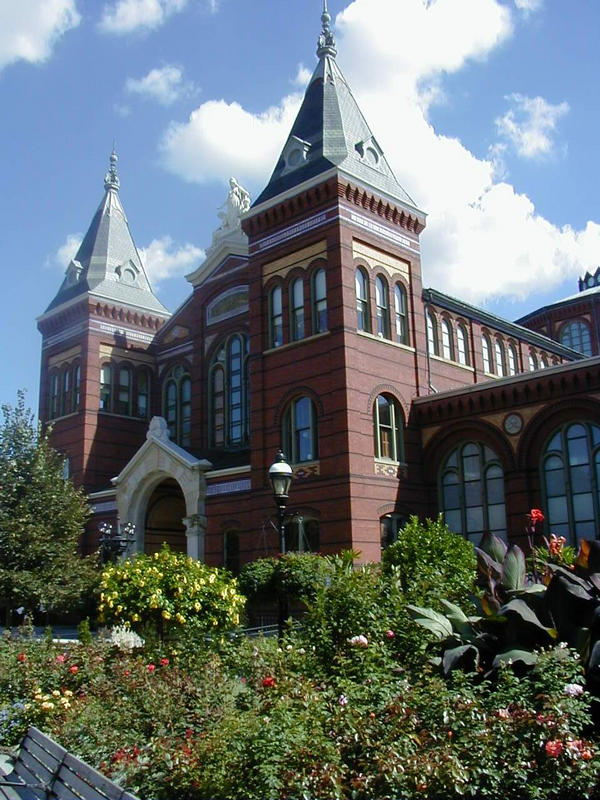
(97, 376)
(336, 317)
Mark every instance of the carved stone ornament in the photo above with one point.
(158, 429)
(230, 213)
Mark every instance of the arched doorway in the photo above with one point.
(165, 513)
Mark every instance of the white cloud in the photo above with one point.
(65, 253)
(528, 5)
(29, 29)
(302, 77)
(163, 259)
(129, 16)
(529, 124)
(166, 85)
(483, 239)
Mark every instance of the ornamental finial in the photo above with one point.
(111, 179)
(326, 42)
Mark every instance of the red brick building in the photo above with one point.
(308, 328)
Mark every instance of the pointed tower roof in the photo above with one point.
(330, 131)
(107, 264)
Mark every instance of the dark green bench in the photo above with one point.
(43, 770)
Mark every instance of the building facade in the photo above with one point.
(308, 329)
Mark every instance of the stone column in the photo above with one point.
(195, 532)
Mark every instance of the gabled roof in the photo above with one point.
(330, 131)
(107, 264)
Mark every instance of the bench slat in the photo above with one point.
(30, 764)
(81, 777)
(45, 742)
(50, 759)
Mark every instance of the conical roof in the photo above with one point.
(107, 264)
(331, 131)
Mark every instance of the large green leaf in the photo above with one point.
(459, 620)
(493, 546)
(514, 568)
(431, 620)
(465, 656)
(525, 657)
(524, 625)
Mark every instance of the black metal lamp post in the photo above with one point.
(113, 546)
(280, 476)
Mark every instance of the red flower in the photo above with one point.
(536, 516)
(127, 672)
(554, 747)
(390, 634)
(22, 658)
(164, 662)
(151, 668)
(61, 658)
(74, 669)
(268, 682)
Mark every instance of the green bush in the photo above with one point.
(430, 562)
(168, 592)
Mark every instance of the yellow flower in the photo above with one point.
(47, 705)
(68, 693)
(56, 693)
(180, 619)
(197, 606)
(166, 614)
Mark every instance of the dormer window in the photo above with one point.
(369, 151)
(295, 153)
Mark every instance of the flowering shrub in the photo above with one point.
(169, 591)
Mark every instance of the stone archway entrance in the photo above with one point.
(162, 491)
(164, 518)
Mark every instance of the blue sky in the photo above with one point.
(486, 109)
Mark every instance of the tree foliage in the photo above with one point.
(42, 516)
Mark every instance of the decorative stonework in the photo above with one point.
(304, 471)
(301, 258)
(376, 258)
(385, 470)
(230, 214)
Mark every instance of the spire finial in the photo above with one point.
(326, 42)
(111, 179)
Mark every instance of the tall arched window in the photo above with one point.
(231, 551)
(65, 391)
(571, 478)
(387, 428)
(228, 393)
(382, 302)
(544, 361)
(576, 334)
(486, 350)
(106, 387)
(401, 313)
(432, 336)
(363, 317)
(447, 340)
(512, 360)
(533, 362)
(123, 405)
(75, 387)
(297, 310)
(319, 302)
(462, 345)
(472, 491)
(299, 431)
(177, 405)
(142, 393)
(53, 396)
(302, 535)
(275, 317)
(499, 354)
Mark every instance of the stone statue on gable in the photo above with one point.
(230, 213)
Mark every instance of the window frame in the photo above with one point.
(382, 305)
(394, 429)
(486, 353)
(462, 338)
(447, 339)
(433, 345)
(319, 301)
(363, 313)
(401, 313)
(292, 430)
(276, 316)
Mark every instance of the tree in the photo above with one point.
(42, 516)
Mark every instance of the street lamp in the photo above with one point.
(114, 546)
(280, 476)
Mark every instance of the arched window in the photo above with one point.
(231, 551)
(275, 318)
(106, 387)
(75, 387)
(363, 318)
(512, 360)
(387, 428)
(382, 302)
(486, 350)
(228, 393)
(571, 478)
(389, 525)
(533, 362)
(319, 301)
(462, 345)
(123, 405)
(302, 535)
(65, 391)
(576, 335)
(177, 405)
(499, 354)
(544, 361)
(472, 491)
(447, 341)
(299, 431)
(401, 313)
(432, 337)
(142, 393)
(297, 310)
(53, 396)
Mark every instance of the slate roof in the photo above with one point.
(330, 131)
(107, 264)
